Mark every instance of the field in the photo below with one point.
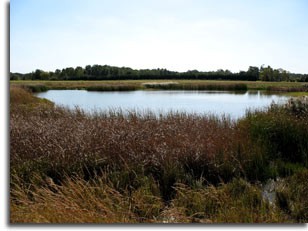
(284, 87)
(70, 167)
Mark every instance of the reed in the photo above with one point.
(175, 167)
(292, 196)
(280, 136)
(80, 201)
(196, 86)
(235, 202)
(112, 88)
(302, 88)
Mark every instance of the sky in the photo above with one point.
(179, 35)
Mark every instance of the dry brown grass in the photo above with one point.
(76, 201)
(57, 141)
(80, 201)
(20, 96)
(70, 167)
(235, 202)
(251, 85)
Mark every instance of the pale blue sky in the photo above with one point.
(174, 34)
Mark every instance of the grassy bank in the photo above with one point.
(128, 85)
(67, 166)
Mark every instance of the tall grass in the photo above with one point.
(176, 167)
(131, 86)
(167, 148)
(196, 86)
(280, 135)
(121, 87)
(236, 202)
(21, 98)
(80, 201)
(37, 88)
(75, 201)
(302, 88)
(292, 196)
(251, 85)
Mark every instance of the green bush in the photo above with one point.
(280, 134)
(37, 88)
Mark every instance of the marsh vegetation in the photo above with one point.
(67, 166)
(183, 84)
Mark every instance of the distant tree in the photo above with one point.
(276, 76)
(88, 70)
(99, 72)
(37, 74)
(78, 73)
(57, 72)
(15, 76)
(253, 73)
(40, 75)
(266, 74)
(284, 75)
(67, 73)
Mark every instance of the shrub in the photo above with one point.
(37, 88)
(292, 196)
(237, 201)
(280, 133)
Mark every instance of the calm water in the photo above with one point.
(230, 103)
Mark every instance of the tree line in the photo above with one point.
(106, 72)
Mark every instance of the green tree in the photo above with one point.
(79, 72)
(253, 73)
(285, 76)
(266, 74)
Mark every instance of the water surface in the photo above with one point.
(233, 104)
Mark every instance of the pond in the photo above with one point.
(219, 103)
